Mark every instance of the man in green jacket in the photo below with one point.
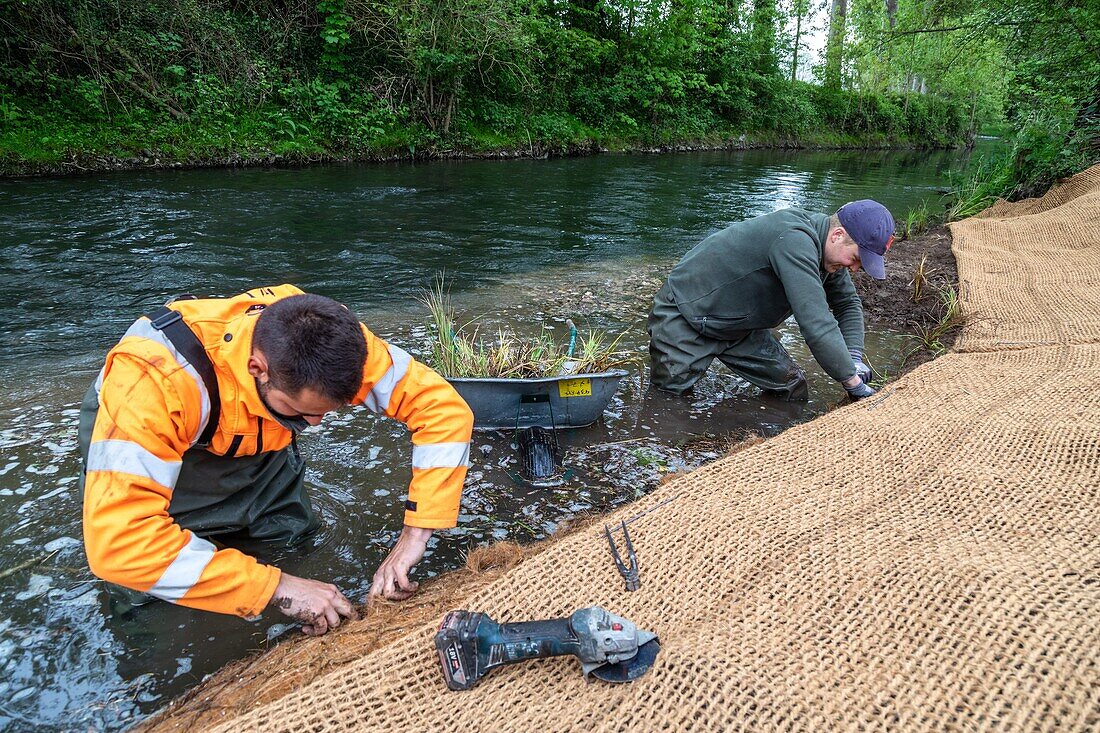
(726, 294)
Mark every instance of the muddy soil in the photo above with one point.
(928, 258)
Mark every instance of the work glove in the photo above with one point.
(859, 392)
(862, 369)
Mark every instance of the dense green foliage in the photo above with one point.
(1035, 64)
(218, 79)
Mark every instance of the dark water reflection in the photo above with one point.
(526, 243)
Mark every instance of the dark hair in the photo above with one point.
(311, 341)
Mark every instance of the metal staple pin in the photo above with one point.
(880, 398)
(629, 570)
(639, 515)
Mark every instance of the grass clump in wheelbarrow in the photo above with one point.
(462, 351)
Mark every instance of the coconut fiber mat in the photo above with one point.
(1030, 272)
(927, 559)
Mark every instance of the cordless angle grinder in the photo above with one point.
(610, 648)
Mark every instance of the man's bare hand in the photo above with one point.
(319, 606)
(392, 579)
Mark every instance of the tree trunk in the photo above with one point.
(763, 36)
(834, 47)
(797, 39)
(883, 71)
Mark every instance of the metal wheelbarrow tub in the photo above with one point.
(568, 401)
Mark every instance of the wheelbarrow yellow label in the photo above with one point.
(575, 388)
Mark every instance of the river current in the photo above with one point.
(525, 244)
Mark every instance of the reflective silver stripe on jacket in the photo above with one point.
(184, 571)
(143, 328)
(123, 456)
(379, 398)
(441, 455)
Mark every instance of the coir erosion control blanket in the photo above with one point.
(927, 559)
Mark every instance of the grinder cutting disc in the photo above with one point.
(630, 669)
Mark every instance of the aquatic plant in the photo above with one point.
(444, 357)
(979, 189)
(917, 220)
(920, 280)
(881, 377)
(460, 351)
(949, 317)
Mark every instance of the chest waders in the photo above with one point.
(680, 353)
(240, 501)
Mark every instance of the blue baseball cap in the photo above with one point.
(871, 227)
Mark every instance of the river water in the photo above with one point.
(525, 244)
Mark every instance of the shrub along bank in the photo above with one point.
(88, 83)
(318, 120)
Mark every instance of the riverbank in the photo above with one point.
(919, 297)
(842, 588)
(296, 660)
(217, 155)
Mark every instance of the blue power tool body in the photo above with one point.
(609, 648)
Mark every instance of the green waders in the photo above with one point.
(230, 501)
(679, 355)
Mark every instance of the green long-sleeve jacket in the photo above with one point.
(754, 274)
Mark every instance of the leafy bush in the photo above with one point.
(1052, 144)
(794, 109)
(417, 75)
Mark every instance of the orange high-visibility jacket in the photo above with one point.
(153, 406)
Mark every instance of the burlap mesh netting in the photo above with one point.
(927, 559)
(1030, 272)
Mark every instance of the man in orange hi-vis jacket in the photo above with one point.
(188, 440)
